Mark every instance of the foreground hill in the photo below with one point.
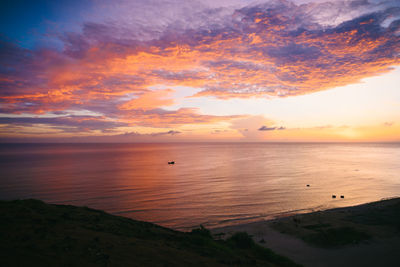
(35, 233)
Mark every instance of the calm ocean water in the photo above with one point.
(210, 184)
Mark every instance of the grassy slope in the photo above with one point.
(35, 233)
(344, 226)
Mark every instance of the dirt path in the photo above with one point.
(375, 252)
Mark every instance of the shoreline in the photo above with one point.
(277, 216)
(332, 237)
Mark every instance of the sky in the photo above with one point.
(188, 71)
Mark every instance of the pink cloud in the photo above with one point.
(273, 49)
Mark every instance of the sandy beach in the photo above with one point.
(370, 235)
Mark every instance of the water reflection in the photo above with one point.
(212, 184)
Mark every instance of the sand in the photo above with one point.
(380, 221)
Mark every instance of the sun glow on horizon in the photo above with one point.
(202, 71)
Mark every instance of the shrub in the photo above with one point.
(241, 240)
(202, 231)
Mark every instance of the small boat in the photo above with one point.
(171, 162)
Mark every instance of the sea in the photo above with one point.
(210, 184)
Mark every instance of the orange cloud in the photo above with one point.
(164, 118)
(150, 100)
(260, 51)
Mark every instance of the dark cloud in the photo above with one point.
(294, 52)
(178, 75)
(65, 123)
(128, 137)
(265, 128)
(231, 64)
(171, 132)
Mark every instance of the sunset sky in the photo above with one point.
(180, 70)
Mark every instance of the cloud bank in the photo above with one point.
(271, 49)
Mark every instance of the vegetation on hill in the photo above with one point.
(344, 226)
(34, 233)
